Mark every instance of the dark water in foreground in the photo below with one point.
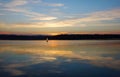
(84, 58)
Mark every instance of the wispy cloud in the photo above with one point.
(0, 3)
(36, 1)
(42, 20)
(81, 22)
(2, 14)
(42, 2)
(31, 15)
(103, 15)
(54, 4)
(15, 3)
(17, 7)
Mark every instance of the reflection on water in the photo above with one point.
(60, 58)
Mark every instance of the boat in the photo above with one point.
(46, 39)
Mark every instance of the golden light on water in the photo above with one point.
(53, 43)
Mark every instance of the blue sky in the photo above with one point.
(59, 16)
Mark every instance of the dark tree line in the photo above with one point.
(62, 37)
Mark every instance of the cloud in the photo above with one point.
(16, 6)
(1, 4)
(54, 4)
(43, 3)
(32, 15)
(35, 1)
(54, 21)
(2, 14)
(82, 22)
(44, 18)
(15, 3)
(45, 24)
(103, 15)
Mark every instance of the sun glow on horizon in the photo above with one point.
(53, 34)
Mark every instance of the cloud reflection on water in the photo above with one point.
(39, 55)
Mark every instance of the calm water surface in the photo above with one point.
(83, 58)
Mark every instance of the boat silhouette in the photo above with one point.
(46, 39)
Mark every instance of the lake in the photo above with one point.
(73, 58)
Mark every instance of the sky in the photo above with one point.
(59, 17)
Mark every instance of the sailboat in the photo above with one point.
(46, 39)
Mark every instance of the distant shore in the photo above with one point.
(62, 37)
